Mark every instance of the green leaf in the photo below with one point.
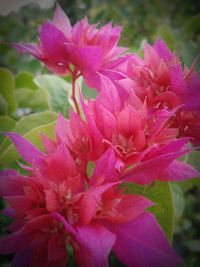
(88, 92)
(160, 193)
(7, 85)
(189, 184)
(36, 100)
(194, 159)
(25, 79)
(3, 106)
(179, 200)
(28, 123)
(10, 154)
(57, 89)
(6, 124)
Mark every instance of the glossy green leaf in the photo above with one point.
(160, 193)
(28, 123)
(7, 85)
(25, 79)
(36, 100)
(10, 154)
(57, 89)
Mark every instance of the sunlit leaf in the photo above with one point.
(28, 123)
(57, 89)
(10, 154)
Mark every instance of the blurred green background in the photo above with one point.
(177, 22)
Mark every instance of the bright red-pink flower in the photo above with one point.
(53, 208)
(160, 81)
(145, 139)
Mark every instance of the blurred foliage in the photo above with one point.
(30, 98)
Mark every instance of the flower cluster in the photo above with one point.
(146, 114)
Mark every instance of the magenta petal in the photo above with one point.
(108, 95)
(52, 40)
(30, 48)
(61, 128)
(55, 168)
(48, 144)
(8, 172)
(95, 244)
(66, 225)
(178, 171)
(87, 58)
(91, 200)
(106, 168)
(95, 134)
(26, 150)
(61, 21)
(153, 168)
(106, 121)
(180, 145)
(129, 121)
(178, 84)
(92, 243)
(92, 79)
(162, 50)
(131, 207)
(151, 57)
(141, 243)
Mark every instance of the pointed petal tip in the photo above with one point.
(26, 149)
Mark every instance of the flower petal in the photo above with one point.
(26, 150)
(178, 171)
(152, 169)
(141, 243)
(95, 244)
(61, 21)
(162, 50)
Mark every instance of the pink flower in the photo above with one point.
(84, 46)
(53, 207)
(138, 137)
(160, 80)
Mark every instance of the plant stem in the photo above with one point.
(73, 96)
